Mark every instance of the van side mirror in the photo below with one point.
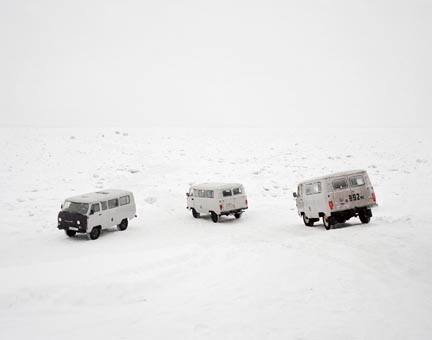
(187, 194)
(294, 194)
(91, 212)
(61, 207)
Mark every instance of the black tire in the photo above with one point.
(364, 217)
(214, 217)
(95, 233)
(195, 214)
(328, 222)
(237, 215)
(308, 221)
(70, 233)
(123, 225)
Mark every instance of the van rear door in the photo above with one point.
(341, 194)
(239, 198)
(359, 191)
(227, 200)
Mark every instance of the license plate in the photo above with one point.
(73, 228)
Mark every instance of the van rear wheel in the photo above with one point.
(195, 214)
(308, 221)
(237, 215)
(70, 233)
(214, 217)
(95, 233)
(123, 225)
(328, 222)
(364, 218)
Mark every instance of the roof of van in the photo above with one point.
(98, 196)
(215, 186)
(336, 174)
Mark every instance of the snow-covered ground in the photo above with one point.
(169, 276)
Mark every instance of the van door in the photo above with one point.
(300, 199)
(200, 201)
(112, 214)
(239, 198)
(95, 216)
(228, 200)
(105, 215)
(190, 198)
(359, 191)
(313, 199)
(341, 194)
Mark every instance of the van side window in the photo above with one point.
(313, 188)
(95, 207)
(104, 205)
(195, 192)
(226, 193)
(237, 191)
(124, 200)
(357, 181)
(113, 203)
(201, 193)
(209, 193)
(339, 184)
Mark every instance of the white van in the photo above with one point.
(92, 212)
(336, 198)
(217, 199)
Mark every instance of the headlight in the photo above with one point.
(78, 222)
(59, 219)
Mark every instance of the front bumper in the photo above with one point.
(74, 227)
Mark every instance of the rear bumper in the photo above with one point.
(232, 212)
(353, 211)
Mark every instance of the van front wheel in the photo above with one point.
(195, 214)
(95, 233)
(308, 221)
(123, 225)
(70, 233)
(214, 217)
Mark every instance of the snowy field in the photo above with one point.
(169, 276)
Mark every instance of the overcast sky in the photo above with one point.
(213, 63)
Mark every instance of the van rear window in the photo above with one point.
(226, 193)
(237, 191)
(124, 200)
(339, 184)
(357, 181)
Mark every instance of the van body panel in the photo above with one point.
(335, 194)
(97, 216)
(220, 198)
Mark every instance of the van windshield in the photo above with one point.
(73, 207)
